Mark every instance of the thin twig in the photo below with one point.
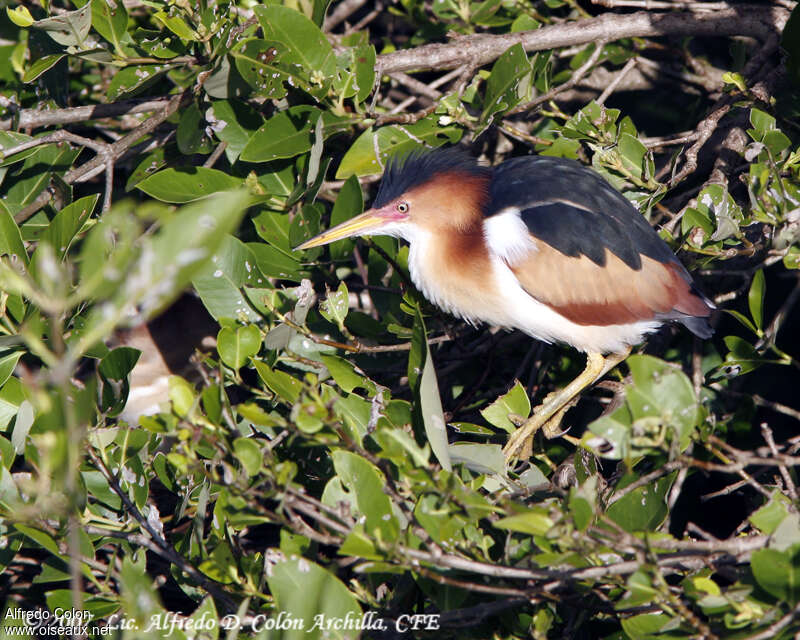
(159, 544)
(342, 12)
(215, 155)
(619, 77)
(575, 78)
(791, 489)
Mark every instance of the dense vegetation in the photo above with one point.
(148, 147)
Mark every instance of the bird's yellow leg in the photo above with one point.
(550, 413)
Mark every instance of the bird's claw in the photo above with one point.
(520, 443)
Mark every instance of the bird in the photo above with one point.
(536, 243)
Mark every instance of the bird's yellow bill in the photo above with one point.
(360, 225)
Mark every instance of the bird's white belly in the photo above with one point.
(500, 300)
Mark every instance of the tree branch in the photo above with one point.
(752, 20)
(34, 118)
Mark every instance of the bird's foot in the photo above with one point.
(520, 443)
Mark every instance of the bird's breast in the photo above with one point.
(456, 272)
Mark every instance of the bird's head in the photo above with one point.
(444, 190)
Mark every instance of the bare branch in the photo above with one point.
(752, 20)
(99, 163)
(630, 64)
(575, 78)
(34, 118)
(102, 149)
(342, 12)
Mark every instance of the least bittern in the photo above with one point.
(539, 244)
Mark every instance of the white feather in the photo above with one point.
(507, 236)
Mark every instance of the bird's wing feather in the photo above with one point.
(590, 269)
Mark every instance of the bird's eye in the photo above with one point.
(402, 207)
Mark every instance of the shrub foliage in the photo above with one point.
(340, 453)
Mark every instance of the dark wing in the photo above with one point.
(597, 260)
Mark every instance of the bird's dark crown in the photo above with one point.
(404, 172)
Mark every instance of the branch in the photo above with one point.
(752, 20)
(33, 118)
(115, 151)
(102, 149)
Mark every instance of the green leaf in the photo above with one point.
(364, 58)
(220, 282)
(130, 81)
(736, 79)
(157, 268)
(22, 426)
(41, 65)
(275, 263)
(11, 397)
(282, 136)
(663, 391)
(177, 25)
(335, 307)
(236, 124)
(280, 383)
(365, 484)
(514, 402)
(534, 521)
(645, 626)
(10, 238)
(582, 501)
(110, 21)
(289, 133)
(265, 66)
(762, 122)
(20, 16)
(70, 28)
(777, 142)
(44, 540)
(7, 363)
(190, 134)
(65, 225)
(118, 363)
(755, 299)
(303, 590)
(301, 36)
(480, 458)
(160, 45)
(767, 518)
(643, 509)
(236, 347)
(503, 86)
(432, 414)
(742, 355)
(344, 373)
(181, 395)
(187, 184)
(633, 153)
(778, 572)
(360, 159)
(249, 455)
